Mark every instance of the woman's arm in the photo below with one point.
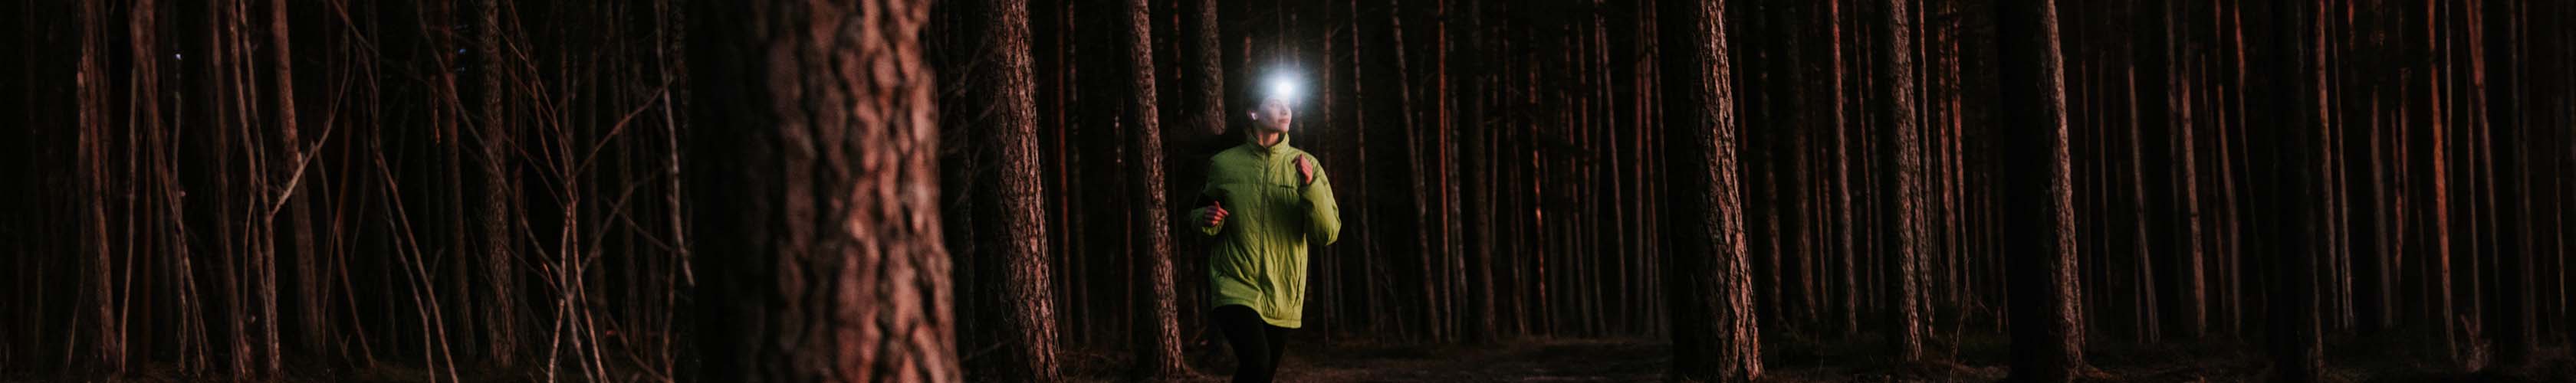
(1323, 215)
(1211, 206)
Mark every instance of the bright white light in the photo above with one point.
(1285, 87)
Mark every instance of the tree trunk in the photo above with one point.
(1159, 343)
(98, 265)
(1846, 249)
(997, 96)
(1476, 170)
(1715, 336)
(2438, 132)
(2048, 342)
(1204, 78)
(828, 198)
(2174, 75)
(501, 302)
(1902, 169)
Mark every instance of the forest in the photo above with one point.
(1556, 190)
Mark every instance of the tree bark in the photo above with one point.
(2048, 342)
(828, 198)
(1159, 342)
(98, 263)
(997, 96)
(1715, 337)
(2437, 132)
(2190, 269)
(1902, 167)
(501, 299)
(1204, 79)
(1846, 250)
(1480, 324)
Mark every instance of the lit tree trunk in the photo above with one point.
(1846, 250)
(1158, 344)
(1715, 337)
(2190, 270)
(501, 299)
(98, 262)
(1902, 166)
(996, 95)
(1480, 324)
(2144, 109)
(309, 313)
(2048, 343)
(1426, 239)
(2228, 135)
(2438, 133)
(827, 199)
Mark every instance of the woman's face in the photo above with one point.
(1272, 115)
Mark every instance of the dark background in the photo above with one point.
(505, 194)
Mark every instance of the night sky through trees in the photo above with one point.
(1013, 191)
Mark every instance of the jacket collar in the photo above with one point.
(1253, 141)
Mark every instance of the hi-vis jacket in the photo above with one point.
(1259, 260)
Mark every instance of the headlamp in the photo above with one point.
(1285, 87)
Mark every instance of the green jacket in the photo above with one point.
(1259, 260)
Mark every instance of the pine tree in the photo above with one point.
(994, 98)
(1158, 344)
(1715, 337)
(819, 197)
(2048, 340)
(1900, 159)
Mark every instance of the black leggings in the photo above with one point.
(1257, 344)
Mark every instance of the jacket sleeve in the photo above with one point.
(1204, 189)
(1323, 215)
(1193, 221)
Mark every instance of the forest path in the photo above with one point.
(1524, 361)
(1566, 360)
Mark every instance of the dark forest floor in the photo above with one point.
(1977, 359)
(1970, 359)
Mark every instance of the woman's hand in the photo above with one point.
(1305, 170)
(1214, 215)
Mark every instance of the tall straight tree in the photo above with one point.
(498, 210)
(1846, 250)
(997, 95)
(99, 281)
(1158, 344)
(1205, 77)
(1901, 164)
(826, 207)
(2048, 342)
(2166, 64)
(299, 212)
(2435, 133)
(1715, 337)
